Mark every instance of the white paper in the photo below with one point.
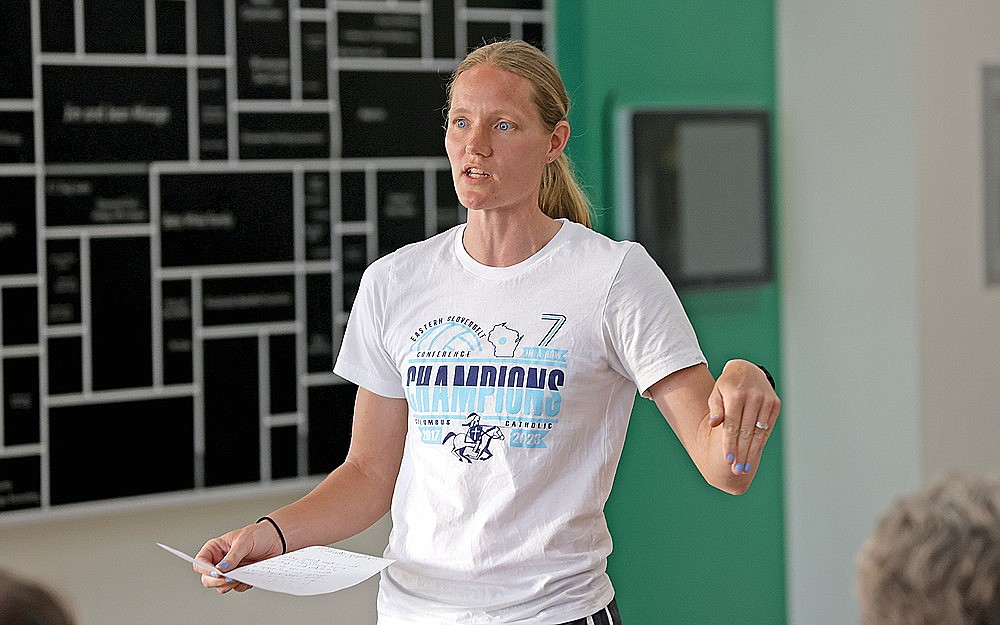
(308, 571)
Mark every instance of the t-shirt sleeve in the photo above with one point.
(648, 334)
(363, 358)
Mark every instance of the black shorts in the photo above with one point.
(605, 616)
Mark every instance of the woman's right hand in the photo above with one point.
(246, 545)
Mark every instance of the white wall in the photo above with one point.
(890, 338)
(960, 314)
(109, 571)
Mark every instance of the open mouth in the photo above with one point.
(475, 173)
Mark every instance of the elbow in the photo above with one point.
(733, 484)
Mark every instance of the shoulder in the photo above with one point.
(584, 240)
(598, 251)
(412, 255)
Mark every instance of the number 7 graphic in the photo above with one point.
(559, 321)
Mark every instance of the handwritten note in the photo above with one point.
(308, 571)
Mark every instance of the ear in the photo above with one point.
(558, 140)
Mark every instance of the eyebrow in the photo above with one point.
(498, 113)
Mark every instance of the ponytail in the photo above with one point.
(561, 195)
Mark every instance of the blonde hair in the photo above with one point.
(560, 194)
(934, 557)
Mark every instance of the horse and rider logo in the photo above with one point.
(475, 444)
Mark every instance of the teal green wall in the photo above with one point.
(684, 552)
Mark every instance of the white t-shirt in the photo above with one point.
(520, 381)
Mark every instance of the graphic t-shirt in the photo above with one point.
(520, 381)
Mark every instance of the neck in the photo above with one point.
(503, 238)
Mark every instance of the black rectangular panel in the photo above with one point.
(171, 30)
(65, 373)
(284, 452)
(212, 118)
(232, 411)
(534, 33)
(20, 315)
(443, 12)
(317, 206)
(114, 27)
(312, 4)
(248, 300)
(15, 49)
(282, 374)
(262, 50)
(106, 451)
(284, 135)
(211, 19)
(121, 316)
(17, 137)
(101, 114)
(535, 5)
(18, 246)
(314, 65)
(319, 323)
(62, 271)
(449, 210)
(478, 33)
(352, 196)
(218, 219)
(354, 250)
(377, 35)
(400, 209)
(58, 30)
(20, 483)
(177, 332)
(331, 410)
(96, 200)
(377, 122)
(20, 401)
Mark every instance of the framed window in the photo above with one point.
(696, 192)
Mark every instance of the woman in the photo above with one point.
(497, 365)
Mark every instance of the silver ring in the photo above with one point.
(761, 425)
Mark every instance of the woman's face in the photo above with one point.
(496, 142)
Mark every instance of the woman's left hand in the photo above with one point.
(746, 406)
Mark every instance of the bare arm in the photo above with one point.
(349, 500)
(716, 420)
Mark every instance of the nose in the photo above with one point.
(478, 143)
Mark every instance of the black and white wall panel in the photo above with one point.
(189, 193)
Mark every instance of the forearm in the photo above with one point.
(346, 502)
(723, 425)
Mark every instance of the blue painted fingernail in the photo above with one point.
(223, 565)
(730, 457)
(746, 467)
(214, 574)
(739, 467)
(229, 579)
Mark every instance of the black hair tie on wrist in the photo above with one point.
(284, 547)
(767, 374)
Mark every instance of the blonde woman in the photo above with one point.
(497, 365)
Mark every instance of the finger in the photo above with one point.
(716, 408)
(752, 403)
(238, 550)
(241, 587)
(760, 435)
(218, 582)
(731, 427)
(209, 554)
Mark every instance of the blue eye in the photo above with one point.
(505, 126)
(460, 123)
